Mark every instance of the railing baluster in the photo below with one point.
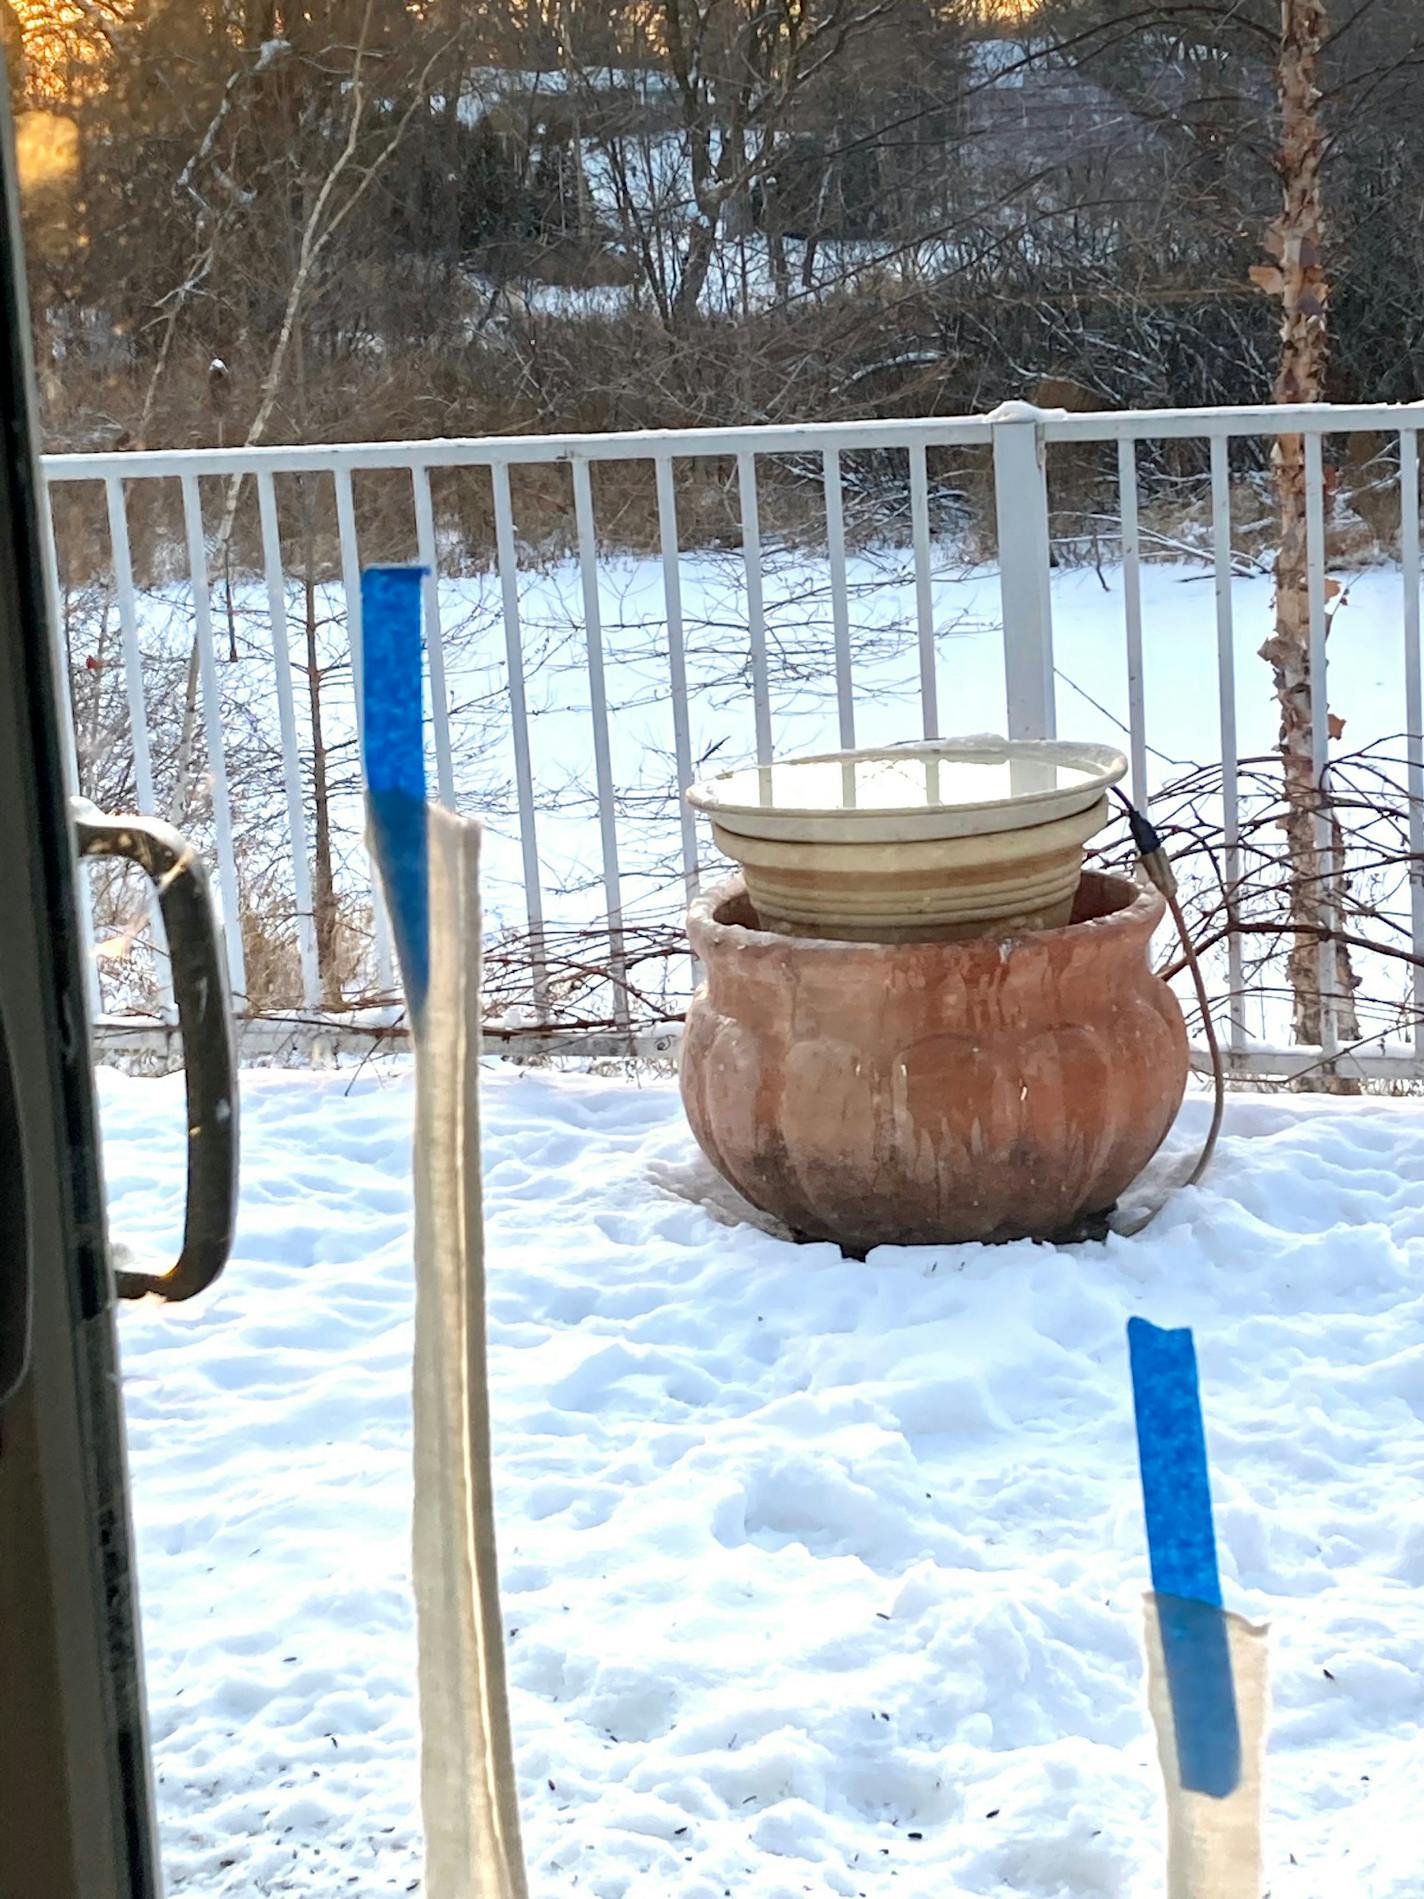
(1132, 616)
(677, 663)
(59, 648)
(1021, 513)
(840, 603)
(1226, 701)
(69, 742)
(1414, 711)
(756, 615)
(213, 734)
(351, 588)
(434, 638)
(602, 751)
(287, 726)
(128, 629)
(138, 711)
(1320, 725)
(519, 730)
(924, 591)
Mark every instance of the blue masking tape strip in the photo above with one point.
(1171, 1447)
(1176, 1494)
(394, 745)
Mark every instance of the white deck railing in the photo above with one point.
(1019, 442)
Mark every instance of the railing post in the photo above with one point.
(1021, 507)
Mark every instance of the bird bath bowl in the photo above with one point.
(932, 842)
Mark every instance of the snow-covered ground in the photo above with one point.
(820, 1577)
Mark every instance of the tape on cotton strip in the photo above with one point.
(1207, 1683)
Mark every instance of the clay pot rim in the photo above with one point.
(1140, 916)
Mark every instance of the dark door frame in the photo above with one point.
(76, 1805)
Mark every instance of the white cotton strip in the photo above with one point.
(1214, 1845)
(468, 1791)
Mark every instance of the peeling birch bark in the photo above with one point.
(1296, 277)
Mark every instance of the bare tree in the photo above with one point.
(1297, 276)
(738, 65)
(335, 198)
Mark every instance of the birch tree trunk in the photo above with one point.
(1296, 275)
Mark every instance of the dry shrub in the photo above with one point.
(878, 346)
(273, 960)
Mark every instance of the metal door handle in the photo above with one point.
(209, 1050)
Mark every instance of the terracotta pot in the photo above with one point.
(908, 1094)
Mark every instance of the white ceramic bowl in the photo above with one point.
(942, 839)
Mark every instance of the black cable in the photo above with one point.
(1153, 860)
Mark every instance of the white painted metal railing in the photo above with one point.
(1019, 441)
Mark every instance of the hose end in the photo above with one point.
(1151, 852)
